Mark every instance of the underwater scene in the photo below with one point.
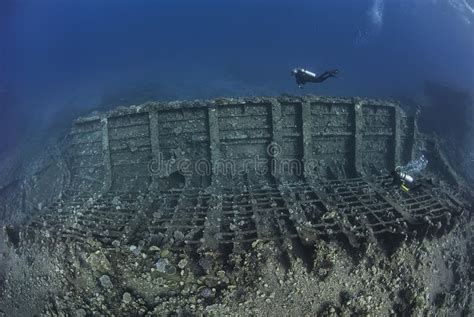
(236, 158)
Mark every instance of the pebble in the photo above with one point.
(164, 266)
(105, 281)
(100, 298)
(134, 250)
(80, 313)
(116, 201)
(183, 263)
(178, 235)
(161, 265)
(126, 298)
(205, 292)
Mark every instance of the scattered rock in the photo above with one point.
(183, 263)
(134, 250)
(105, 281)
(178, 236)
(98, 262)
(116, 201)
(126, 298)
(80, 313)
(220, 274)
(164, 266)
(205, 264)
(205, 292)
(156, 239)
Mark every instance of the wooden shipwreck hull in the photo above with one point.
(223, 173)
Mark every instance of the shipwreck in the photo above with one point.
(224, 173)
(231, 205)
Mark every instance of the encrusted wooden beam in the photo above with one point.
(155, 144)
(106, 155)
(396, 137)
(275, 149)
(214, 142)
(414, 143)
(358, 123)
(307, 137)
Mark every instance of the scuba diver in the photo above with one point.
(304, 76)
(403, 179)
(407, 182)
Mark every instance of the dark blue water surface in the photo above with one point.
(60, 56)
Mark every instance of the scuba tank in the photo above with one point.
(407, 181)
(307, 73)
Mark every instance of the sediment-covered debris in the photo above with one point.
(324, 277)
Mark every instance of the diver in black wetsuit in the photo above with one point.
(304, 76)
(407, 182)
(404, 180)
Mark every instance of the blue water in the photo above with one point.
(60, 56)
